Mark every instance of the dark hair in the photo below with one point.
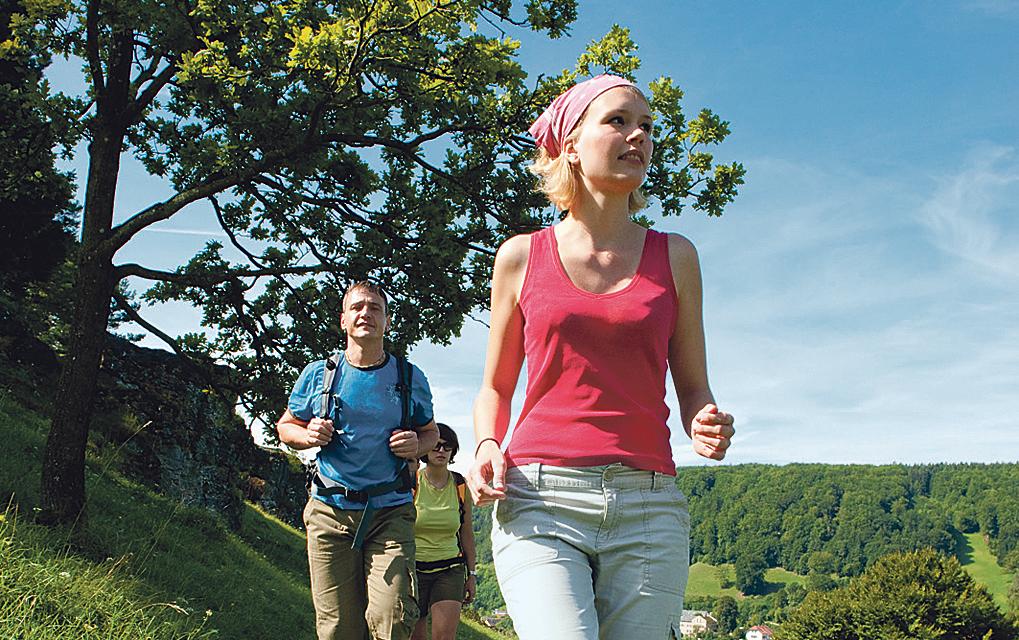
(366, 285)
(446, 433)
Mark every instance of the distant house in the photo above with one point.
(694, 623)
(495, 618)
(760, 632)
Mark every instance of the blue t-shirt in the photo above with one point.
(365, 412)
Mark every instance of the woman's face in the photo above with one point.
(439, 456)
(613, 146)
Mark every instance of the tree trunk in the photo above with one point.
(63, 469)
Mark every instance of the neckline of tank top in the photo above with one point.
(634, 279)
(449, 477)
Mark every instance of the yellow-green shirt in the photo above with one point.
(438, 520)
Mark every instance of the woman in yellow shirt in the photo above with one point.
(445, 541)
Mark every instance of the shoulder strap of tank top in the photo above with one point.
(658, 250)
(538, 259)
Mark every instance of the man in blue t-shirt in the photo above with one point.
(367, 590)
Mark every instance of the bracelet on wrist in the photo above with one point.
(483, 441)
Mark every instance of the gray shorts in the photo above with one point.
(592, 553)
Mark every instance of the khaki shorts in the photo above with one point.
(367, 592)
(436, 586)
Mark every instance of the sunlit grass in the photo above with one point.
(704, 580)
(49, 595)
(984, 568)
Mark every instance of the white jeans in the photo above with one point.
(592, 553)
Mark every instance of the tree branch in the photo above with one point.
(126, 230)
(209, 279)
(146, 97)
(203, 370)
(439, 7)
(252, 258)
(322, 260)
(95, 63)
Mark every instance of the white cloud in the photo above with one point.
(187, 232)
(969, 212)
(835, 333)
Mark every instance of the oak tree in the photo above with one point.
(330, 142)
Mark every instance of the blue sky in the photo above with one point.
(862, 293)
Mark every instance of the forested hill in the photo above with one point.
(816, 518)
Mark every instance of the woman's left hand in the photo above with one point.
(470, 589)
(711, 432)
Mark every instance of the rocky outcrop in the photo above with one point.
(180, 437)
(279, 485)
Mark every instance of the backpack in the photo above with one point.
(404, 480)
(405, 375)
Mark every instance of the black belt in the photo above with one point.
(435, 566)
(402, 482)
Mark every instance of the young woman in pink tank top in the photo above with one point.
(590, 534)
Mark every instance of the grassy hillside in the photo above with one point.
(143, 566)
(972, 551)
(979, 562)
(705, 580)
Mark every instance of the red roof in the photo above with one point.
(763, 628)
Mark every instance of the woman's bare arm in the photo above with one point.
(708, 427)
(503, 359)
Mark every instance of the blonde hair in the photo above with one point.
(557, 178)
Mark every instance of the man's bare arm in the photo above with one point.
(298, 434)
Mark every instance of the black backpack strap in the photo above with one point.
(405, 377)
(405, 374)
(461, 488)
(332, 363)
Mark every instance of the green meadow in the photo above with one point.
(705, 580)
(979, 562)
(972, 551)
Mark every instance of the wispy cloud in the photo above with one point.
(187, 232)
(998, 8)
(968, 213)
(836, 333)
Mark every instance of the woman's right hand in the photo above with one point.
(487, 475)
(711, 431)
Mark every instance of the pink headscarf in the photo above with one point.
(558, 120)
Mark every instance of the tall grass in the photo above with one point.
(50, 596)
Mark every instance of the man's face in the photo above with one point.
(364, 315)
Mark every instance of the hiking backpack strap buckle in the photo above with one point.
(332, 363)
(405, 380)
